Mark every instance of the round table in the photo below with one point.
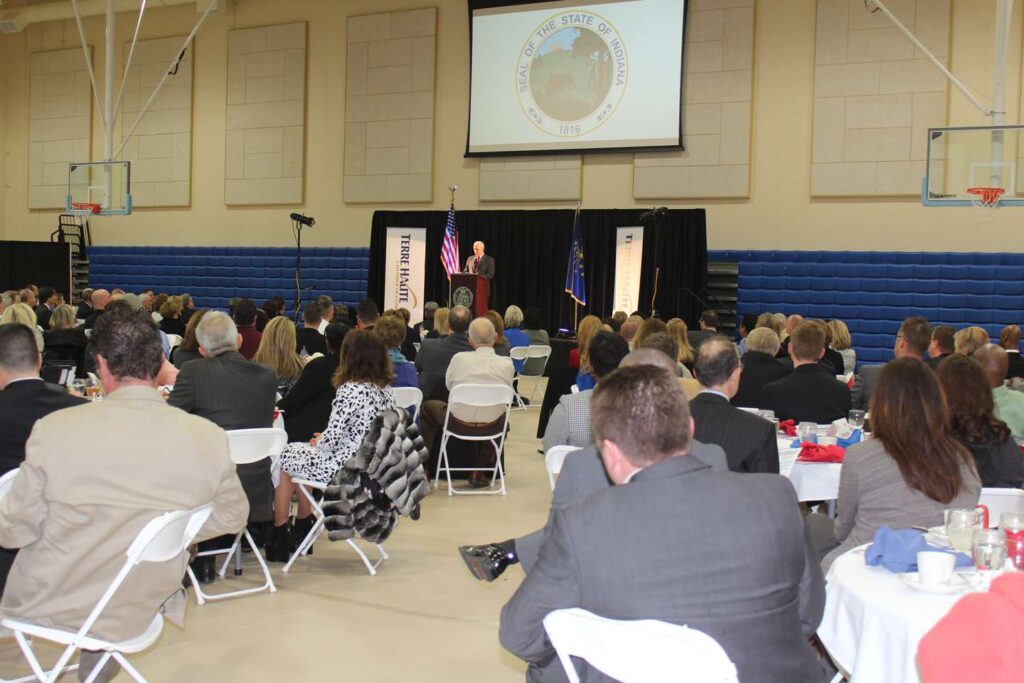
(873, 622)
(811, 480)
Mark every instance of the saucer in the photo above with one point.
(955, 584)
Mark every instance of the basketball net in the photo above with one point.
(985, 201)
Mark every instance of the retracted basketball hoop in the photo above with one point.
(985, 201)
(84, 208)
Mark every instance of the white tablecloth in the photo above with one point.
(873, 622)
(812, 480)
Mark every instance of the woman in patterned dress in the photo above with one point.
(363, 380)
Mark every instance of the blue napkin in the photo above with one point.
(842, 443)
(897, 550)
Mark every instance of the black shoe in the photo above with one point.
(487, 562)
(300, 530)
(280, 546)
(203, 568)
(478, 480)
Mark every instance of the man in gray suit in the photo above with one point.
(435, 356)
(913, 340)
(480, 263)
(721, 552)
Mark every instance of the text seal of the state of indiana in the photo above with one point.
(462, 296)
(572, 73)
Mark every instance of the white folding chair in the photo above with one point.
(519, 353)
(999, 501)
(476, 396)
(409, 396)
(537, 356)
(7, 481)
(247, 446)
(163, 539)
(553, 460)
(637, 651)
(305, 488)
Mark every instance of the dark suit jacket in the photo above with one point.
(810, 393)
(310, 339)
(833, 359)
(1016, 367)
(66, 345)
(486, 268)
(21, 404)
(84, 311)
(759, 369)
(233, 393)
(933, 363)
(698, 337)
(432, 363)
(408, 349)
(43, 314)
(307, 407)
(760, 594)
(748, 440)
(863, 384)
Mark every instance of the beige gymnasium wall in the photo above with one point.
(778, 214)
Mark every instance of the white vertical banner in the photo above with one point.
(405, 266)
(629, 252)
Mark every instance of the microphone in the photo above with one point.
(305, 220)
(653, 213)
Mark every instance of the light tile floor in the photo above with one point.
(422, 618)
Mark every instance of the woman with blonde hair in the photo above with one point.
(842, 343)
(502, 347)
(64, 341)
(969, 340)
(170, 317)
(585, 331)
(514, 335)
(440, 324)
(678, 329)
(62, 318)
(277, 352)
(23, 314)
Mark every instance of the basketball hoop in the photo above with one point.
(84, 208)
(985, 201)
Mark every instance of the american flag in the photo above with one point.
(450, 246)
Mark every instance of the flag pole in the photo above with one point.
(451, 205)
(575, 303)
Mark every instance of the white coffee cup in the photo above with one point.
(935, 568)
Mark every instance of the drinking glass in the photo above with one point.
(78, 386)
(856, 419)
(808, 432)
(94, 390)
(1012, 526)
(988, 548)
(960, 524)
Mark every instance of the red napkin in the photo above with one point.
(788, 427)
(812, 452)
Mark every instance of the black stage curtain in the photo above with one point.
(38, 263)
(531, 253)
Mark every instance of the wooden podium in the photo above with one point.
(472, 291)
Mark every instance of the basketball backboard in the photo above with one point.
(978, 157)
(106, 184)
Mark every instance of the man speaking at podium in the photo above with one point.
(480, 263)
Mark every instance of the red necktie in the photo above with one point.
(476, 265)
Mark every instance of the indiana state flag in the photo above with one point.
(575, 283)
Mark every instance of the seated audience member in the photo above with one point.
(533, 327)
(440, 327)
(748, 440)
(666, 344)
(942, 345)
(24, 398)
(427, 324)
(785, 326)
(158, 304)
(27, 296)
(188, 349)
(1009, 403)
(502, 347)
(677, 328)
(244, 315)
(390, 329)
(972, 413)
(64, 340)
(309, 340)
(277, 352)
(85, 305)
(992, 652)
(271, 309)
(969, 340)
(367, 314)
(23, 315)
(47, 302)
(760, 367)
(188, 308)
(261, 320)
(135, 458)
(233, 393)
(307, 407)
(1009, 339)
(170, 313)
(643, 432)
(708, 328)
(810, 392)
(100, 299)
(326, 312)
(514, 335)
(646, 329)
(832, 359)
(912, 470)
(480, 365)
(842, 343)
(433, 358)
(569, 424)
(912, 341)
(619, 317)
(587, 328)
(341, 315)
(363, 392)
(412, 337)
(746, 325)
(628, 331)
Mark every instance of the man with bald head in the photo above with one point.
(480, 263)
(100, 299)
(792, 322)
(1009, 403)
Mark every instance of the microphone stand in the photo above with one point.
(297, 230)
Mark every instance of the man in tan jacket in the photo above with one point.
(95, 474)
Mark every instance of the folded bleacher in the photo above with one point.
(212, 275)
(872, 292)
